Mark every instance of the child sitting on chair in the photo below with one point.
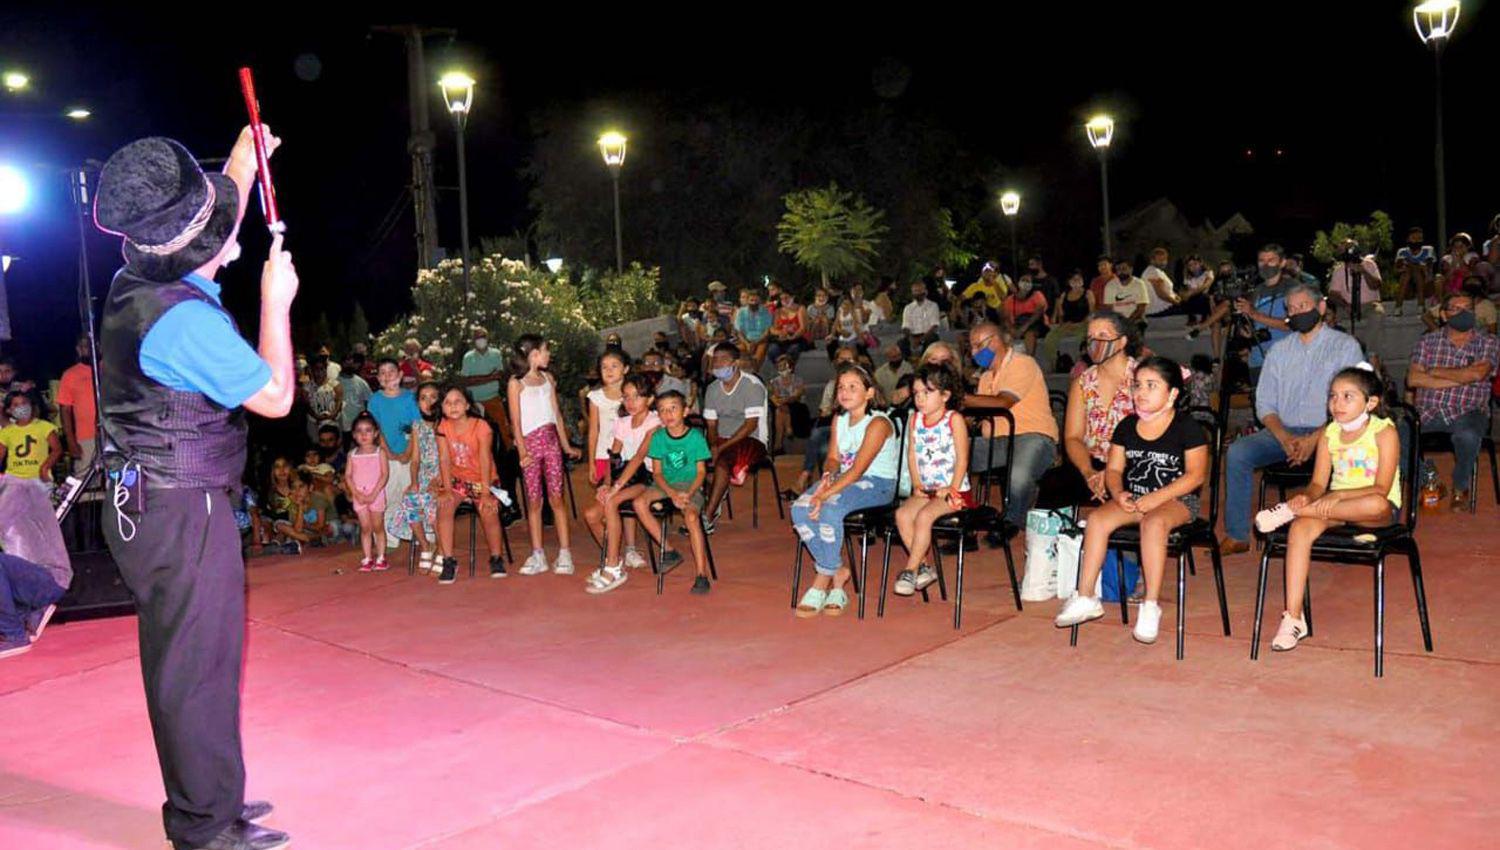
(1158, 460)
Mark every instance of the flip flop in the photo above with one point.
(812, 603)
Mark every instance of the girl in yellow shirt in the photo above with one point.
(28, 445)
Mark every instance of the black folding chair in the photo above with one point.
(1199, 534)
(1434, 442)
(1349, 544)
(863, 524)
(469, 510)
(986, 518)
(766, 464)
(665, 513)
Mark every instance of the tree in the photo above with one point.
(1373, 236)
(830, 231)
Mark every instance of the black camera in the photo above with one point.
(1351, 252)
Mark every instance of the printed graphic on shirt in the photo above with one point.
(1148, 471)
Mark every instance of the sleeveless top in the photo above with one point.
(1075, 310)
(787, 321)
(536, 406)
(936, 452)
(1355, 464)
(609, 411)
(1101, 419)
(851, 437)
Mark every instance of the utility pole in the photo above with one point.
(420, 143)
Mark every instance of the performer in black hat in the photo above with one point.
(176, 378)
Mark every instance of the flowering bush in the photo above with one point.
(509, 298)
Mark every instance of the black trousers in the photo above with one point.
(184, 568)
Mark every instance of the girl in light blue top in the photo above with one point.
(859, 473)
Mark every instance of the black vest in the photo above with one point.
(180, 438)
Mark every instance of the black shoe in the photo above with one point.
(450, 571)
(700, 586)
(255, 810)
(669, 561)
(497, 566)
(243, 835)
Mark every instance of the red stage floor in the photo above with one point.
(383, 711)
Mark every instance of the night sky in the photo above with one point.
(1204, 94)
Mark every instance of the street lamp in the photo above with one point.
(1101, 131)
(612, 148)
(458, 91)
(78, 113)
(1010, 204)
(15, 80)
(1435, 21)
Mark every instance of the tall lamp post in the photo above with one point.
(1010, 204)
(14, 193)
(612, 148)
(1101, 131)
(458, 91)
(1435, 21)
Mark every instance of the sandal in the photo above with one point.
(835, 602)
(812, 603)
(424, 561)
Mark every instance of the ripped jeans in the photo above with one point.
(824, 536)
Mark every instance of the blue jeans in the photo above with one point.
(824, 536)
(1034, 455)
(24, 587)
(815, 451)
(1466, 432)
(1246, 455)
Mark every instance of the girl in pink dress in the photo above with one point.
(365, 475)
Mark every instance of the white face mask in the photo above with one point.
(480, 344)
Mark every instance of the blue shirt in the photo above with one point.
(754, 324)
(1272, 302)
(395, 415)
(483, 363)
(195, 348)
(1294, 383)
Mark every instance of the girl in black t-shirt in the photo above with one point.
(1157, 463)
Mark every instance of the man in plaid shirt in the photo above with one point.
(1450, 371)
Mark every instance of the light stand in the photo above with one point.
(1354, 274)
(78, 186)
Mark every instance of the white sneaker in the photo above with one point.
(1291, 632)
(1079, 609)
(1147, 622)
(563, 566)
(633, 559)
(1271, 519)
(605, 579)
(535, 565)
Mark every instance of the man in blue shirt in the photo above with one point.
(1291, 401)
(1266, 307)
(175, 381)
(482, 370)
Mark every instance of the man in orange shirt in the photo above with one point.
(75, 395)
(1011, 379)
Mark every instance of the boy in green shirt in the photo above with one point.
(681, 454)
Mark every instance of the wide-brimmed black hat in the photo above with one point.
(174, 217)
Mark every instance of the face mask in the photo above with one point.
(785, 370)
(1152, 415)
(1462, 321)
(984, 357)
(1268, 272)
(1303, 322)
(1356, 423)
(725, 373)
(894, 361)
(1102, 351)
(22, 411)
(481, 344)
(1024, 286)
(919, 298)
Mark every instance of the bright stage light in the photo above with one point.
(15, 80)
(13, 190)
(78, 113)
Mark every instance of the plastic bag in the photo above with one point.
(29, 530)
(1041, 579)
(1109, 582)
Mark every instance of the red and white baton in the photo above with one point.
(262, 163)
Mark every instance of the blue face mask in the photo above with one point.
(724, 374)
(984, 357)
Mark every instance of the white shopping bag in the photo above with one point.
(1040, 581)
(1067, 551)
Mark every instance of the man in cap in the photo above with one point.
(176, 379)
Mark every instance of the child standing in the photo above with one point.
(631, 439)
(1362, 452)
(681, 454)
(937, 459)
(540, 441)
(365, 475)
(603, 403)
(1158, 460)
(419, 502)
(467, 469)
(859, 473)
